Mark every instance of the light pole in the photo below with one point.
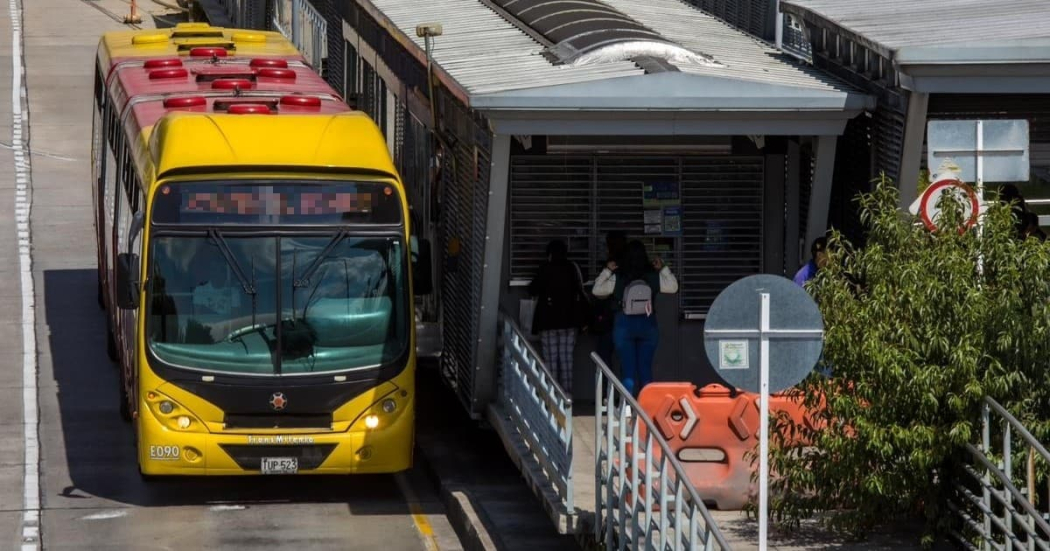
(133, 17)
(427, 31)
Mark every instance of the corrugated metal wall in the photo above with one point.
(462, 217)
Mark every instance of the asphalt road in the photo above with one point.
(90, 493)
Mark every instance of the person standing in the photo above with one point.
(819, 253)
(634, 284)
(560, 304)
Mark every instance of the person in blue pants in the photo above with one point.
(635, 333)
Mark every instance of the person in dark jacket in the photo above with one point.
(559, 301)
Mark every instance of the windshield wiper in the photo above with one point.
(304, 279)
(249, 286)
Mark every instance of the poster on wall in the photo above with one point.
(662, 209)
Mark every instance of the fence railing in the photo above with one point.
(539, 408)
(994, 510)
(643, 498)
(300, 22)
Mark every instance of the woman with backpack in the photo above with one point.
(634, 285)
(560, 306)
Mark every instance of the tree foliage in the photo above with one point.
(920, 326)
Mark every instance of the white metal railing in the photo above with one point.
(643, 498)
(300, 22)
(539, 408)
(998, 513)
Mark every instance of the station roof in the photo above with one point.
(497, 62)
(947, 46)
(896, 24)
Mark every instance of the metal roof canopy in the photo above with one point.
(500, 70)
(670, 103)
(947, 46)
(575, 28)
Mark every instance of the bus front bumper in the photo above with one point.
(385, 449)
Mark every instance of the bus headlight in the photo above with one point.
(372, 421)
(166, 407)
(184, 422)
(389, 406)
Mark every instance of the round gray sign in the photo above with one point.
(733, 332)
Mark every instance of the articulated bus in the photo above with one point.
(255, 267)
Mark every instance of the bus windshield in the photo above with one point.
(289, 304)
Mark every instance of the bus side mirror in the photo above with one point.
(422, 272)
(127, 281)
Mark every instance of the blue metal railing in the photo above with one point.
(539, 408)
(643, 498)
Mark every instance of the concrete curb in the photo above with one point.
(469, 525)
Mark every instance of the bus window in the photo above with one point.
(342, 302)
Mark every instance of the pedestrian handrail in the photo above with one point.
(538, 407)
(307, 30)
(643, 498)
(999, 514)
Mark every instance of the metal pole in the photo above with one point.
(980, 191)
(295, 26)
(133, 17)
(763, 412)
(430, 88)
(779, 26)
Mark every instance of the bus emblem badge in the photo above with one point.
(278, 401)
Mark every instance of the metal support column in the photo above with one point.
(792, 199)
(492, 271)
(820, 197)
(911, 149)
(773, 213)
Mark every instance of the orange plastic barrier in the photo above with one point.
(710, 431)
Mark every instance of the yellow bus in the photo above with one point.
(259, 285)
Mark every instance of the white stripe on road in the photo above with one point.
(105, 515)
(23, 204)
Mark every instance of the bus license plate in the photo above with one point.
(280, 465)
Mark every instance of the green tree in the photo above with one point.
(920, 326)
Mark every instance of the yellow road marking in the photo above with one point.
(419, 518)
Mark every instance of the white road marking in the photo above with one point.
(105, 515)
(23, 204)
(218, 508)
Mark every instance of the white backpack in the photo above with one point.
(638, 298)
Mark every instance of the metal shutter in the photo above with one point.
(580, 198)
(551, 198)
(722, 227)
(888, 139)
(754, 17)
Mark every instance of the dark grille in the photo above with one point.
(278, 421)
(249, 457)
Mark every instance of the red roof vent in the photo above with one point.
(301, 101)
(249, 109)
(208, 52)
(231, 84)
(270, 72)
(275, 63)
(162, 63)
(168, 73)
(185, 102)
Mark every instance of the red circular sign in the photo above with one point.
(928, 207)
